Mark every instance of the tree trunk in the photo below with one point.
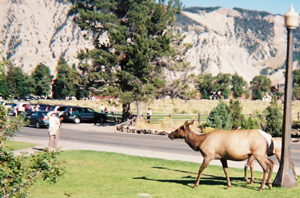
(126, 112)
(140, 108)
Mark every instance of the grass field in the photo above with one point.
(13, 145)
(93, 174)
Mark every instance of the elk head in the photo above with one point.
(180, 132)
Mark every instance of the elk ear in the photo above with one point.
(192, 122)
(186, 123)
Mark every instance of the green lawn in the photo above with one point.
(13, 145)
(94, 174)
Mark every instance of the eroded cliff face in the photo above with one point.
(38, 31)
(238, 41)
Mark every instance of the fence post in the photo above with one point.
(199, 118)
(298, 115)
(170, 116)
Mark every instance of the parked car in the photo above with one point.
(82, 114)
(73, 98)
(38, 119)
(8, 105)
(44, 107)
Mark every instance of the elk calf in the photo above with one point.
(274, 149)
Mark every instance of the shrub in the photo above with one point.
(208, 129)
(219, 117)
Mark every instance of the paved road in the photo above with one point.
(90, 137)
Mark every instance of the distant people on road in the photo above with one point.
(54, 131)
(102, 108)
(149, 113)
(112, 110)
(106, 111)
(71, 111)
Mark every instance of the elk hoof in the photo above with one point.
(270, 185)
(195, 186)
(251, 182)
(260, 189)
(228, 187)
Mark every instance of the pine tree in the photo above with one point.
(42, 78)
(235, 112)
(64, 83)
(3, 85)
(129, 64)
(274, 118)
(19, 80)
(11, 83)
(219, 117)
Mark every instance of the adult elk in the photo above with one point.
(274, 149)
(236, 145)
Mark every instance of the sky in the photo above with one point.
(272, 6)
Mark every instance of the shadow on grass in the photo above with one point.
(206, 179)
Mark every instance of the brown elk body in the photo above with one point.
(274, 149)
(236, 145)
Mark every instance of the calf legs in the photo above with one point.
(266, 164)
(250, 163)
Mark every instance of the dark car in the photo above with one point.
(82, 114)
(38, 119)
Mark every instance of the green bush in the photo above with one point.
(219, 117)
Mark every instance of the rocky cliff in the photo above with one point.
(235, 40)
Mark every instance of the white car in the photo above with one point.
(73, 98)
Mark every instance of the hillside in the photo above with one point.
(235, 40)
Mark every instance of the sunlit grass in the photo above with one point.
(13, 145)
(103, 174)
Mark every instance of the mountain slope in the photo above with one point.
(235, 40)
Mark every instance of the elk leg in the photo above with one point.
(225, 168)
(262, 162)
(250, 163)
(270, 164)
(293, 167)
(202, 167)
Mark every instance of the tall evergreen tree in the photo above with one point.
(219, 117)
(42, 78)
(29, 85)
(11, 83)
(129, 64)
(3, 85)
(19, 80)
(64, 84)
(274, 118)
(235, 112)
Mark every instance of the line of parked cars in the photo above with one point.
(37, 114)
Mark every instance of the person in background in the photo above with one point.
(106, 111)
(71, 111)
(53, 129)
(102, 108)
(149, 113)
(112, 110)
